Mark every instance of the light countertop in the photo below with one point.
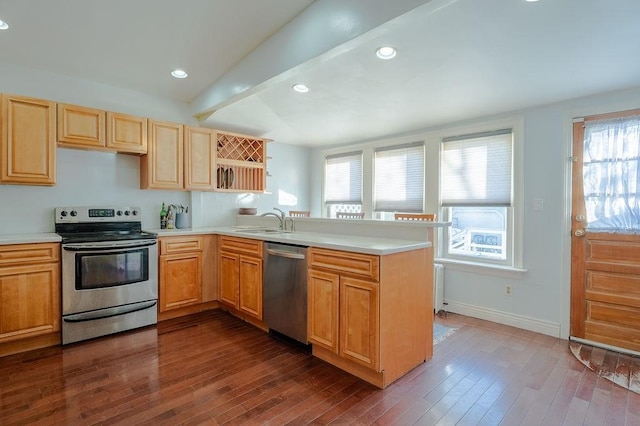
(353, 243)
(47, 237)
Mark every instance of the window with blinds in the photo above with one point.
(399, 178)
(476, 169)
(476, 175)
(343, 178)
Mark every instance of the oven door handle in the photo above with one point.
(112, 246)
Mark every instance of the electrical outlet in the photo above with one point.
(508, 290)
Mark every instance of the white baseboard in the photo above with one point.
(519, 321)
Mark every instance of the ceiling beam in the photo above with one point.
(321, 27)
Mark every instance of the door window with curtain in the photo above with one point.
(476, 181)
(611, 175)
(343, 183)
(399, 180)
(605, 230)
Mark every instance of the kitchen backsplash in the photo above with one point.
(98, 178)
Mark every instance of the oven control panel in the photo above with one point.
(97, 214)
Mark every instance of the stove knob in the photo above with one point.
(119, 212)
(127, 213)
(135, 212)
(74, 213)
(63, 213)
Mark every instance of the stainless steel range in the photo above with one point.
(109, 271)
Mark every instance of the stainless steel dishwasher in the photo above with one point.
(285, 290)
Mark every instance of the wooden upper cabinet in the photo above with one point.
(28, 139)
(199, 152)
(81, 127)
(162, 167)
(126, 133)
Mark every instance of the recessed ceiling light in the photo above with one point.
(531, 1)
(3, 25)
(179, 74)
(386, 52)
(300, 88)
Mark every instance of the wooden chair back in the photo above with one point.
(299, 213)
(426, 217)
(344, 215)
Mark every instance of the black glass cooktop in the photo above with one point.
(104, 231)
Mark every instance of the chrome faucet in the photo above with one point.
(280, 217)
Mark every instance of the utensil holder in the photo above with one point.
(182, 220)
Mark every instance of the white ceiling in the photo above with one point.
(457, 59)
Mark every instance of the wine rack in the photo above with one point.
(240, 163)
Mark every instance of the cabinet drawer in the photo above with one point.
(171, 245)
(241, 245)
(357, 264)
(25, 254)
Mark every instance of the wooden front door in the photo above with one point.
(605, 242)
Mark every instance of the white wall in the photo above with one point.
(540, 299)
(97, 178)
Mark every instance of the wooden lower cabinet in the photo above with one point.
(371, 315)
(323, 314)
(229, 278)
(359, 318)
(181, 280)
(188, 279)
(29, 297)
(180, 265)
(240, 263)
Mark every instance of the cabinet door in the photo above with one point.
(126, 133)
(251, 286)
(81, 127)
(199, 146)
(161, 168)
(323, 291)
(229, 278)
(28, 139)
(29, 301)
(180, 280)
(210, 268)
(359, 321)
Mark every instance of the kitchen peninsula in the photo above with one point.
(370, 299)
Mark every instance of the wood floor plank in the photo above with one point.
(211, 368)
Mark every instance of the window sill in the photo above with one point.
(482, 268)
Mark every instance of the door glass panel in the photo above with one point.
(610, 175)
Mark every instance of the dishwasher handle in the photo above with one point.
(287, 254)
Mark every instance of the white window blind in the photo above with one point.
(476, 170)
(343, 178)
(399, 178)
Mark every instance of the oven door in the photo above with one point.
(108, 274)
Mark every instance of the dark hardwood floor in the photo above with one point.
(211, 368)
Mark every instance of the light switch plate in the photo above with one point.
(538, 204)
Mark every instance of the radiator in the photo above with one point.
(438, 288)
